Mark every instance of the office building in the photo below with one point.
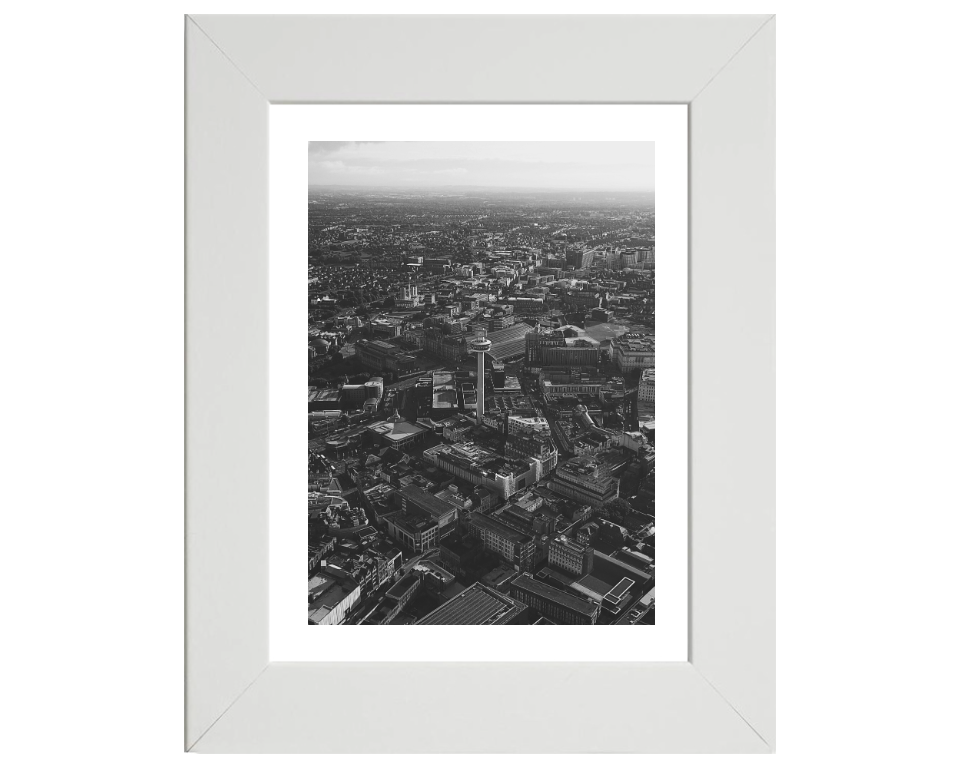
(413, 530)
(479, 466)
(374, 387)
(646, 389)
(566, 381)
(633, 351)
(584, 479)
(580, 259)
(515, 548)
(414, 499)
(555, 604)
(535, 445)
(565, 347)
(381, 356)
(570, 556)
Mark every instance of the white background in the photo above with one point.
(91, 308)
(291, 129)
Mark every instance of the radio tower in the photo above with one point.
(480, 345)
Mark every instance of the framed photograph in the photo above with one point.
(465, 221)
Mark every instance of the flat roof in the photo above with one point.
(504, 531)
(548, 573)
(445, 397)
(605, 565)
(498, 575)
(442, 377)
(427, 501)
(622, 586)
(401, 587)
(325, 593)
(477, 604)
(430, 567)
(525, 582)
(593, 585)
(413, 522)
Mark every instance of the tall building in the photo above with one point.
(581, 260)
(408, 297)
(480, 346)
(374, 387)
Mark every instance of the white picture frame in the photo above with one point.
(722, 699)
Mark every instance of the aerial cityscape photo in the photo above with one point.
(481, 383)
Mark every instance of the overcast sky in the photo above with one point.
(603, 165)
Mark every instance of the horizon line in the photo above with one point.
(481, 186)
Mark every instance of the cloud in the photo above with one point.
(318, 148)
(558, 165)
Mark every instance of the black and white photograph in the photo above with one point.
(481, 393)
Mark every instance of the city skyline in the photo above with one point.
(616, 166)
(481, 381)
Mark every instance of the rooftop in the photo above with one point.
(592, 586)
(442, 377)
(495, 526)
(526, 582)
(477, 604)
(414, 494)
(498, 576)
(403, 586)
(635, 342)
(325, 593)
(569, 544)
(396, 430)
(611, 568)
(477, 459)
(413, 522)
